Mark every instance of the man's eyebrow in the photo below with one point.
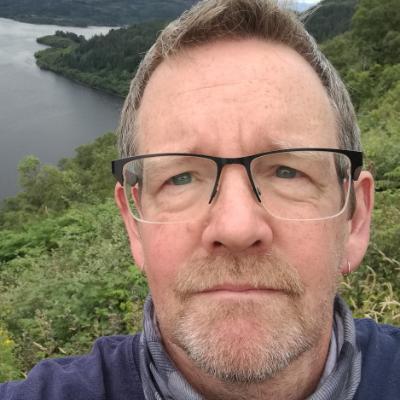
(304, 155)
(272, 144)
(281, 144)
(159, 166)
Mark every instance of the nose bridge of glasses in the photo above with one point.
(245, 163)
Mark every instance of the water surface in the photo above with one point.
(43, 113)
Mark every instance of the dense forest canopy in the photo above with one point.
(330, 18)
(66, 275)
(105, 62)
(108, 62)
(92, 12)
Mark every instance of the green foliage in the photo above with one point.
(104, 62)
(342, 52)
(8, 363)
(373, 291)
(77, 284)
(71, 36)
(47, 189)
(381, 127)
(66, 274)
(370, 298)
(375, 26)
(330, 18)
(367, 57)
(61, 39)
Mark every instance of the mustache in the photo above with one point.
(258, 272)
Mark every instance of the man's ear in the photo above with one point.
(359, 224)
(131, 226)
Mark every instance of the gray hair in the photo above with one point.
(210, 20)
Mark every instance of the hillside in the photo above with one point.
(330, 18)
(103, 62)
(108, 62)
(92, 12)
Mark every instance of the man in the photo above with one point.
(243, 197)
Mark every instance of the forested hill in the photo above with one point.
(92, 12)
(330, 18)
(103, 62)
(108, 62)
(66, 275)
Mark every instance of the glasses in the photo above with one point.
(292, 184)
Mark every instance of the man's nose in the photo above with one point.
(237, 221)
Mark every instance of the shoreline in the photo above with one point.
(51, 59)
(80, 82)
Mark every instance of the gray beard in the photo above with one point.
(240, 355)
(246, 340)
(161, 380)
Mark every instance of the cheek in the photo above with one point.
(315, 248)
(166, 248)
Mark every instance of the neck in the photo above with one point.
(298, 381)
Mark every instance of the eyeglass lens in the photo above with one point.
(300, 185)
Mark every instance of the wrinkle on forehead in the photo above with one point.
(227, 84)
(247, 90)
(272, 58)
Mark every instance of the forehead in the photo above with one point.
(235, 97)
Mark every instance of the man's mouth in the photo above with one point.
(239, 289)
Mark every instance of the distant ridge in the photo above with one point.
(301, 6)
(330, 18)
(92, 12)
(118, 12)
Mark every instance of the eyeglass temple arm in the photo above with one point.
(116, 170)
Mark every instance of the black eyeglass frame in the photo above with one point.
(355, 157)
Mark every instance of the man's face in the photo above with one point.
(238, 292)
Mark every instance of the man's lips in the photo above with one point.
(239, 289)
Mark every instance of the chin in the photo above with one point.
(249, 340)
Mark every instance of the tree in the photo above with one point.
(375, 27)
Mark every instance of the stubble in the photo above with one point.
(247, 339)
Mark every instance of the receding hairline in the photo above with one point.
(209, 20)
(185, 54)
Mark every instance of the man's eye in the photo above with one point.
(181, 179)
(286, 172)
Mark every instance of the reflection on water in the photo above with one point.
(42, 113)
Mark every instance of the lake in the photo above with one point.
(42, 113)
